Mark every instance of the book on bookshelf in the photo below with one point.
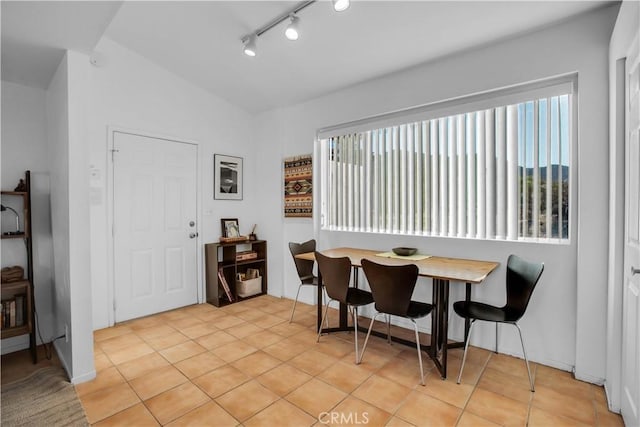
(225, 285)
(20, 309)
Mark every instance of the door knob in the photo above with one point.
(193, 235)
(634, 270)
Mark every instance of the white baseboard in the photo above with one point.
(84, 378)
(613, 406)
(588, 378)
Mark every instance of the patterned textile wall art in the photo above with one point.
(298, 196)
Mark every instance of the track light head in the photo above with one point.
(292, 32)
(249, 47)
(340, 5)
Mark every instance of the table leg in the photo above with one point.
(319, 299)
(440, 325)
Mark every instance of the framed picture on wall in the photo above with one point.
(227, 177)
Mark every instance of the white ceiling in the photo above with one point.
(200, 40)
(35, 35)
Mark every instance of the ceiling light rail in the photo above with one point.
(292, 31)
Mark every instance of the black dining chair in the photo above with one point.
(336, 275)
(522, 278)
(392, 287)
(304, 268)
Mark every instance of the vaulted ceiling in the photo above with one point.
(200, 40)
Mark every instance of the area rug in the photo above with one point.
(44, 398)
(298, 197)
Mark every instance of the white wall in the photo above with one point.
(565, 323)
(130, 92)
(79, 243)
(58, 138)
(625, 29)
(24, 147)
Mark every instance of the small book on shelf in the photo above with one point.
(225, 285)
(20, 300)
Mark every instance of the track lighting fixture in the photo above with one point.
(292, 32)
(249, 45)
(340, 5)
(292, 29)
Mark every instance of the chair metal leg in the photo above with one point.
(366, 340)
(496, 337)
(526, 361)
(355, 330)
(326, 310)
(325, 296)
(466, 347)
(295, 301)
(415, 327)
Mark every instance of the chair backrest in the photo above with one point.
(336, 274)
(522, 278)
(391, 285)
(304, 267)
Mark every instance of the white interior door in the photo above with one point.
(154, 225)
(630, 404)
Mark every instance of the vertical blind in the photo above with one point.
(496, 173)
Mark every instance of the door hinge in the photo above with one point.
(113, 154)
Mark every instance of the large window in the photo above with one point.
(501, 172)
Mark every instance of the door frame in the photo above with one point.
(623, 36)
(111, 131)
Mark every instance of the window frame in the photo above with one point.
(521, 93)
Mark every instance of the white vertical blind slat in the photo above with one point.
(435, 177)
(512, 172)
(481, 186)
(462, 176)
(548, 178)
(409, 214)
(490, 181)
(419, 188)
(453, 175)
(404, 178)
(472, 212)
(501, 173)
(536, 171)
(444, 176)
(426, 178)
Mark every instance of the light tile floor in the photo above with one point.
(245, 364)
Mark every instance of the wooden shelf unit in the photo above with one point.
(222, 256)
(11, 289)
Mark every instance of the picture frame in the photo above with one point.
(227, 182)
(230, 227)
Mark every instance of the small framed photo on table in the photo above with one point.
(230, 227)
(227, 181)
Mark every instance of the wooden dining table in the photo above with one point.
(441, 270)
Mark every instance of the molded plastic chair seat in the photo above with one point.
(522, 278)
(358, 297)
(392, 287)
(481, 311)
(336, 275)
(418, 309)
